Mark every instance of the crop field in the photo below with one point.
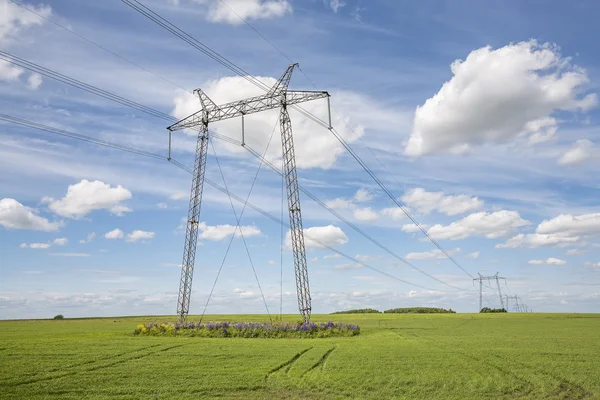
(396, 356)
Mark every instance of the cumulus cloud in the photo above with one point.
(574, 252)
(312, 151)
(549, 261)
(395, 213)
(8, 71)
(365, 214)
(60, 241)
(348, 266)
(84, 197)
(162, 206)
(563, 230)
(138, 235)
(339, 204)
(89, 238)
(426, 202)
(580, 152)
(234, 11)
(220, 232)
(430, 255)
(363, 195)
(473, 255)
(490, 225)
(179, 196)
(331, 256)
(335, 5)
(14, 215)
(329, 235)
(496, 95)
(115, 234)
(14, 19)
(411, 228)
(533, 240)
(34, 81)
(35, 246)
(593, 265)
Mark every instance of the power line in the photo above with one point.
(158, 114)
(237, 198)
(96, 44)
(136, 5)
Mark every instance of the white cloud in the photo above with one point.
(574, 252)
(365, 258)
(541, 130)
(179, 196)
(497, 95)
(69, 254)
(490, 225)
(395, 213)
(312, 151)
(14, 20)
(220, 232)
(115, 234)
(593, 265)
(335, 4)
(162, 206)
(433, 254)
(534, 240)
(580, 152)
(34, 81)
(331, 256)
(230, 13)
(139, 235)
(9, 72)
(89, 238)
(85, 197)
(14, 215)
(549, 261)
(411, 228)
(363, 195)
(35, 246)
(572, 225)
(365, 214)
(60, 241)
(473, 255)
(339, 204)
(330, 235)
(349, 266)
(426, 202)
(272, 262)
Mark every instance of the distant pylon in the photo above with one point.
(481, 278)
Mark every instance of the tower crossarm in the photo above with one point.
(251, 105)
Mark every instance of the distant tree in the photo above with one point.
(492, 310)
(359, 311)
(419, 310)
(59, 316)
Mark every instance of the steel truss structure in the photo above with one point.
(277, 97)
(481, 278)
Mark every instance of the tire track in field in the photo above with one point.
(574, 390)
(102, 359)
(321, 362)
(287, 364)
(95, 368)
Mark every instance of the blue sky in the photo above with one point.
(482, 120)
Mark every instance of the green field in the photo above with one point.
(396, 356)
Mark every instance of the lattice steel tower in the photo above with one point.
(277, 97)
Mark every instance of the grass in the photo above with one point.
(396, 356)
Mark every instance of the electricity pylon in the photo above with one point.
(277, 97)
(518, 307)
(481, 278)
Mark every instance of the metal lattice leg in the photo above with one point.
(293, 194)
(191, 232)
